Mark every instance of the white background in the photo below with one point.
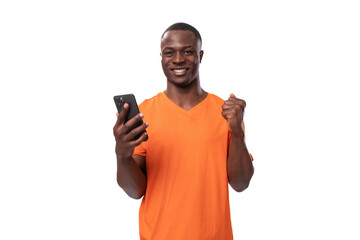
(296, 63)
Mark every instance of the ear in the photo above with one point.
(201, 55)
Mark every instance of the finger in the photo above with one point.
(133, 121)
(224, 115)
(232, 95)
(230, 113)
(241, 102)
(238, 101)
(139, 140)
(122, 114)
(136, 131)
(120, 119)
(231, 101)
(228, 104)
(234, 104)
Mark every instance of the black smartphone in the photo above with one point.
(133, 110)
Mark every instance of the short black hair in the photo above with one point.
(185, 27)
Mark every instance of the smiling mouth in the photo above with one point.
(179, 70)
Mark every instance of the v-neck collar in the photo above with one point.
(188, 112)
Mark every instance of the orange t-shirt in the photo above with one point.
(187, 184)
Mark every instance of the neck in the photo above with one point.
(186, 97)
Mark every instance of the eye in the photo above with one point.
(188, 52)
(168, 53)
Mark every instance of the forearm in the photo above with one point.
(239, 164)
(130, 177)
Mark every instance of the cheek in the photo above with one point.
(195, 61)
(196, 65)
(165, 62)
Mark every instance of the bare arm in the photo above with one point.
(130, 176)
(239, 163)
(131, 172)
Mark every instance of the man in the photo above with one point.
(195, 147)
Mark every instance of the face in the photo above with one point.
(181, 55)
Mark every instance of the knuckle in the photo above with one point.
(122, 139)
(126, 126)
(116, 131)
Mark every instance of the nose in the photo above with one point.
(178, 58)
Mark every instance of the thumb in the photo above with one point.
(232, 95)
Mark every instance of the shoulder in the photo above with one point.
(149, 103)
(214, 99)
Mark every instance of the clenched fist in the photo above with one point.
(233, 112)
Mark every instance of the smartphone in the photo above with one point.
(133, 110)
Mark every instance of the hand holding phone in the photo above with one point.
(135, 125)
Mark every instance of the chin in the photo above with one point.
(182, 83)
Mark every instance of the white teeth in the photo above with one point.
(179, 70)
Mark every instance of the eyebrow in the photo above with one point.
(173, 48)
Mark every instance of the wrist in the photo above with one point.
(123, 158)
(238, 135)
(237, 141)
